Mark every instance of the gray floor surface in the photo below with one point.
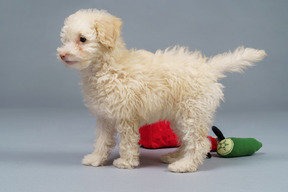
(41, 150)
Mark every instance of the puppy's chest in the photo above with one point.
(100, 92)
(95, 90)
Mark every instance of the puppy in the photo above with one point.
(129, 88)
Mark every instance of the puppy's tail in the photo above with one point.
(235, 61)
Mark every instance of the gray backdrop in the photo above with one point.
(31, 76)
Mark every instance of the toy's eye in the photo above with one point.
(83, 39)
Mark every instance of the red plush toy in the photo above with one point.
(160, 135)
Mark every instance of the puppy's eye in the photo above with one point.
(83, 39)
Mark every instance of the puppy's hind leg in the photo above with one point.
(175, 155)
(128, 146)
(104, 142)
(195, 146)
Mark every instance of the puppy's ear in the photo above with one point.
(108, 31)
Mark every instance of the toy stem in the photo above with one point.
(218, 133)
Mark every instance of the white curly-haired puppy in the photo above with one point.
(129, 88)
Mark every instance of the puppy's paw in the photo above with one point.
(182, 167)
(125, 164)
(92, 160)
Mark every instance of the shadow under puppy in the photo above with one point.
(129, 88)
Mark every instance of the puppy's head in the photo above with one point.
(86, 35)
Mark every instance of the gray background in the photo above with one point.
(45, 129)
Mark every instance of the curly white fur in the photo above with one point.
(128, 88)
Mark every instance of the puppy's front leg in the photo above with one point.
(128, 147)
(104, 142)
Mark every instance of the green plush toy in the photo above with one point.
(235, 147)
